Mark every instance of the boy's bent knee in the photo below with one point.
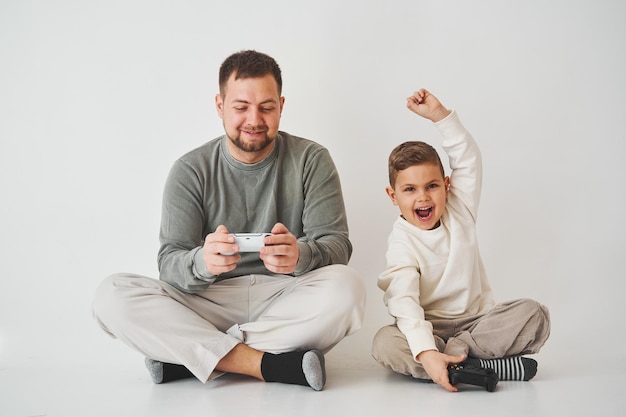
(391, 350)
(389, 340)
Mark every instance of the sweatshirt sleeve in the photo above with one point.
(325, 239)
(401, 284)
(181, 234)
(465, 162)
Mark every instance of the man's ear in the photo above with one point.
(219, 105)
(392, 195)
(282, 104)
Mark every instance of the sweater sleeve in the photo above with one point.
(181, 234)
(401, 284)
(325, 239)
(465, 162)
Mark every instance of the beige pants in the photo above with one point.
(510, 329)
(269, 313)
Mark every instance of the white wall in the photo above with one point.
(97, 99)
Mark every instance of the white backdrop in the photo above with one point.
(98, 98)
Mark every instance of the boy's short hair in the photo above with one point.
(249, 64)
(412, 153)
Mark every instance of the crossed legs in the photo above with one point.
(233, 324)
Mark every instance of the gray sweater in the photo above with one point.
(297, 184)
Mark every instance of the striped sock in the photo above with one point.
(515, 368)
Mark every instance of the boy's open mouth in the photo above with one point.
(424, 213)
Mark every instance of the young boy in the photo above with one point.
(435, 283)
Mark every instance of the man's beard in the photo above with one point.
(255, 146)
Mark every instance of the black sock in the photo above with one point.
(162, 372)
(515, 368)
(300, 367)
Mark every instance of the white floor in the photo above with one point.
(110, 380)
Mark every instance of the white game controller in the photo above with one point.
(248, 242)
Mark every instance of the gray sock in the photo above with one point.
(155, 369)
(314, 369)
(162, 372)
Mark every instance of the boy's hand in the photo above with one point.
(427, 106)
(281, 252)
(436, 366)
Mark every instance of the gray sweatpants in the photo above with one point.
(510, 329)
(269, 313)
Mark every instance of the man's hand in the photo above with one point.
(436, 366)
(427, 106)
(215, 244)
(280, 253)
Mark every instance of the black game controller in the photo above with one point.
(467, 374)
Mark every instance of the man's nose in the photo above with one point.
(253, 117)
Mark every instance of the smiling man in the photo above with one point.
(273, 314)
(251, 114)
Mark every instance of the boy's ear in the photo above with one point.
(447, 182)
(392, 195)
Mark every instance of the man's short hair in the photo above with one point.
(249, 64)
(412, 153)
